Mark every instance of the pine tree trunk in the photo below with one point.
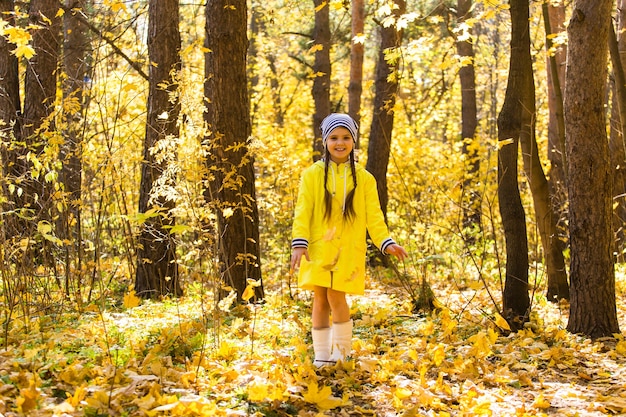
(37, 124)
(157, 270)
(379, 146)
(76, 55)
(231, 188)
(589, 178)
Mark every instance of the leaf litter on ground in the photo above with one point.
(183, 358)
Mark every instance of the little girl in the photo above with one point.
(337, 204)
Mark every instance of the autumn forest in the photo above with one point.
(151, 159)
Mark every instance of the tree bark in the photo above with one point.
(355, 88)
(10, 108)
(551, 191)
(39, 100)
(157, 270)
(379, 146)
(321, 73)
(76, 54)
(231, 187)
(469, 121)
(511, 121)
(589, 178)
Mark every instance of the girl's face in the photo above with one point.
(339, 144)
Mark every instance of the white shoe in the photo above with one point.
(321, 346)
(342, 341)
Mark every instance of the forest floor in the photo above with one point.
(185, 358)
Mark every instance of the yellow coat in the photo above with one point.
(337, 247)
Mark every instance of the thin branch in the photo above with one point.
(83, 19)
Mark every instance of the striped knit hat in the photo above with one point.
(335, 120)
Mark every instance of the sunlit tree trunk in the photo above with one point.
(589, 178)
(231, 188)
(546, 219)
(469, 120)
(512, 120)
(558, 286)
(355, 88)
(10, 107)
(157, 270)
(554, 22)
(385, 86)
(321, 72)
(75, 56)
(617, 47)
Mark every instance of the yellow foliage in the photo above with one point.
(323, 397)
(130, 299)
(27, 400)
(541, 402)
(502, 323)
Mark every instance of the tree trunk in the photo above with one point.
(469, 121)
(355, 88)
(589, 178)
(231, 186)
(558, 287)
(554, 16)
(617, 122)
(10, 107)
(321, 73)
(76, 52)
(157, 271)
(39, 99)
(516, 302)
(545, 217)
(379, 146)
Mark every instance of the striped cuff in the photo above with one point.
(386, 243)
(299, 243)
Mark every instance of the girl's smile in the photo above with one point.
(339, 144)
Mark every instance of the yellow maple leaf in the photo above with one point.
(18, 36)
(25, 51)
(481, 345)
(116, 5)
(258, 391)
(541, 402)
(502, 323)
(248, 293)
(438, 354)
(130, 299)
(323, 398)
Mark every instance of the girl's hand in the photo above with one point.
(397, 251)
(296, 257)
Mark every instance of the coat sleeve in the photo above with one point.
(301, 230)
(375, 219)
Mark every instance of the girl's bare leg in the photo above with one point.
(338, 305)
(321, 308)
